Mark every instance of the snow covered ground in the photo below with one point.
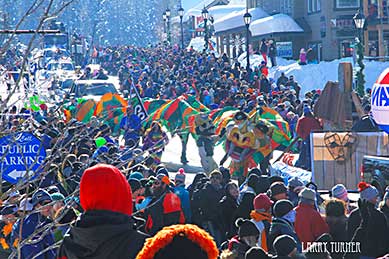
(315, 76)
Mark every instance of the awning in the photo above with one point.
(279, 23)
(234, 21)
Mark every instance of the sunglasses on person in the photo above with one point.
(216, 178)
(157, 183)
(45, 203)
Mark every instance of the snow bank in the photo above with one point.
(315, 76)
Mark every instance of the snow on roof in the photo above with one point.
(235, 19)
(217, 11)
(279, 23)
(220, 11)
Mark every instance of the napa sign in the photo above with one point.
(380, 101)
(22, 156)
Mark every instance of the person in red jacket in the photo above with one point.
(309, 224)
(305, 125)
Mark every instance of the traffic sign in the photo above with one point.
(20, 153)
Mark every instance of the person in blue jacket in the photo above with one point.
(183, 194)
(41, 200)
(131, 124)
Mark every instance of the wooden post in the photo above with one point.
(345, 77)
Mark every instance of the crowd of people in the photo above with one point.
(95, 198)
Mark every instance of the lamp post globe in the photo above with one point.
(359, 20)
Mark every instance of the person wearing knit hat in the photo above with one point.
(183, 194)
(180, 177)
(42, 204)
(261, 217)
(309, 223)
(305, 125)
(137, 190)
(278, 191)
(282, 223)
(368, 192)
(256, 253)
(247, 237)
(250, 186)
(339, 191)
(166, 208)
(136, 175)
(180, 241)
(285, 246)
(368, 225)
(295, 185)
(105, 229)
(59, 201)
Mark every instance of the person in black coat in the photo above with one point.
(282, 223)
(368, 225)
(282, 80)
(366, 123)
(106, 229)
(209, 198)
(228, 206)
(265, 85)
(245, 206)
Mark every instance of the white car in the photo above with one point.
(62, 68)
(92, 89)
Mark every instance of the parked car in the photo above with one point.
(92, 89)
(375, 170)
(62, 68)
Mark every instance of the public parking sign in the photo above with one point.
(20, 153)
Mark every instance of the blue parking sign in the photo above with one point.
(22, 153)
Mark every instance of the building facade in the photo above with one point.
(377, 28)
(329, 25)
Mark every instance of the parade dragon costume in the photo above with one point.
(247, 143)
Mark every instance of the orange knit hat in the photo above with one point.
(180, 241)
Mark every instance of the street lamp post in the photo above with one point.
(181, 14)
(164, 22)
(205, 15)
(247, 20)
(168, 13)
(359, 20)
(164, 25)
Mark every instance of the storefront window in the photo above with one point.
(346, 48)
(347, 3)
(373, 43)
